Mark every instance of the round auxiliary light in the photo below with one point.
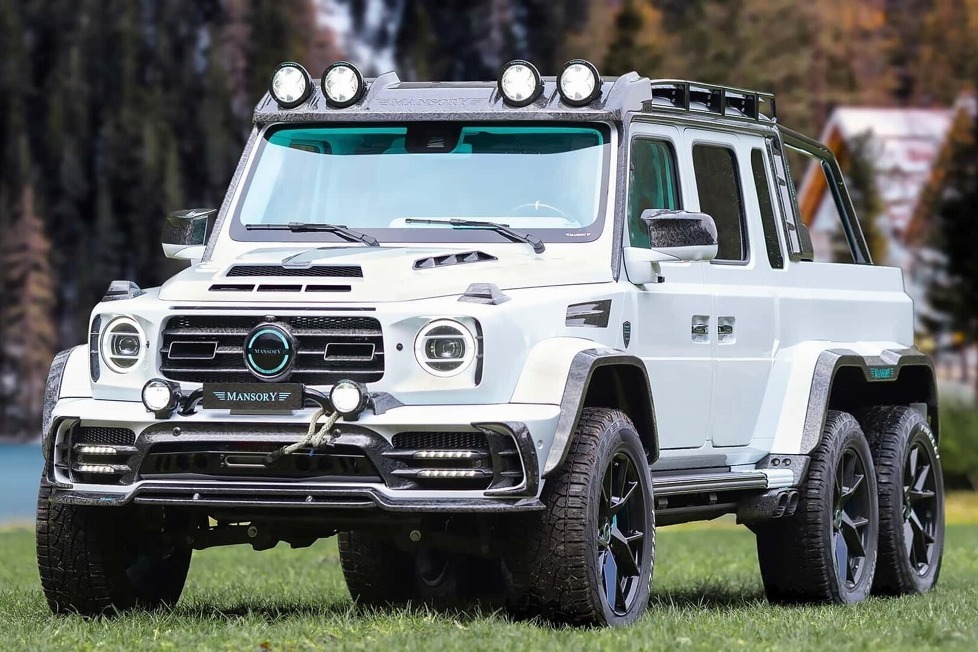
(121, 344)
(160, 395)
(444, 348)
(290, 85)
(348, 397)
(519, 83)
(579, 83)
(342, 84)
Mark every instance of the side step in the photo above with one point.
(678, 485)
(708, 495)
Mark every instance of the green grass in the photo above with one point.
(707, 596)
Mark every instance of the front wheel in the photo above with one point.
(587, 559)
(106, 560)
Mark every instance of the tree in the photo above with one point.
(954, 292)
(860, 176)
(638, 42)
(28, 315)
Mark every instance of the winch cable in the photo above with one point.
(314, 438)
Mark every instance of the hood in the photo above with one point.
(374, 274)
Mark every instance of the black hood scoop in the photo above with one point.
(453, 259)
(339, 271)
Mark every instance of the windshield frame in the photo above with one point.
(427, 234)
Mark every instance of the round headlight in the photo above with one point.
(519, 83)
(342, 84)
(122, 344)
(348, 397)
(579, 83)
(290, 85)
(444, 348)
(160, 395)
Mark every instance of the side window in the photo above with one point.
(771, 241)
(799, 242)
(652, 183)
(719, 191)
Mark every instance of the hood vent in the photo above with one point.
(342, 271)
(278, 287)
(453, 259)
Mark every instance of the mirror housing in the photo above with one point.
(681, 235)
(185, 233)
(674, 236)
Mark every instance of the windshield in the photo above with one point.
(550, 180)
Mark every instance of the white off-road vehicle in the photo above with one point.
(491, 334)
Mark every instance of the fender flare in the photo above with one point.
(582, 369)
(884, 368)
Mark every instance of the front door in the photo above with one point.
(674, 330)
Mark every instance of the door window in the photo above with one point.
(718, 186)
(652, 184)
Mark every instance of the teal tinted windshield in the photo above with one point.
(549, 180)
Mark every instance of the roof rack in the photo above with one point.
(709, 98)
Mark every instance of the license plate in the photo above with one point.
(252, 396)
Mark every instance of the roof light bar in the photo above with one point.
(579, 83)
(342, 85)
(290, 85)
(519, 83)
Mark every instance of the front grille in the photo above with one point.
(100, 435)
(342, 271)
(320, 345)
(247, 461)
(450, 440)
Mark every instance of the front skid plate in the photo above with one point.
(238, 495)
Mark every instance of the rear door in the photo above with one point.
(745, 319)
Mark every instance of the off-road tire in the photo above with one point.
(554, 570)
(893, 432)
(796, 555)
(81, 556)
(377, 572)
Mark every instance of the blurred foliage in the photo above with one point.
(959, 443)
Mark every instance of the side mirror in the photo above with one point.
(185, 233)
(681, 235)
(673, 236)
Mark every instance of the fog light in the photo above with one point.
(579, 83)
(342, 84)
(519, 83)
(348, 397)
(160, 397)
(290, 85)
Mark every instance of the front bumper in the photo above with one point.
(529, 427)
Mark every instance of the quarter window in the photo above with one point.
(771, 241)
(652, 184)
(720, 197)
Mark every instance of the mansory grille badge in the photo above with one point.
(269, 352)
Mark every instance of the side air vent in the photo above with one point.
(339, 271)
(453, 259)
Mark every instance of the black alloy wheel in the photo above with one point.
(851, 514)
(620, 535)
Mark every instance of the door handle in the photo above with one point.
(701, 329)
(725, 329)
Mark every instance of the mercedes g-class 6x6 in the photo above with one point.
(491, 335)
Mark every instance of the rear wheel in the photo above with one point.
(911, 489)
(106, 560)
(588, 557)
(826, 551)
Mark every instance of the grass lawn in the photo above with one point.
(707, 595)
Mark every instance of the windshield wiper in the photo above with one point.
(310, 227)
(502, 229)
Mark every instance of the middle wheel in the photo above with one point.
(588, 558)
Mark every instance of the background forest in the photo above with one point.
(114, 112)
